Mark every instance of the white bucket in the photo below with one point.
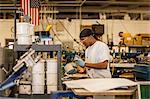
(38, 79)
(51, 65)
(23, 28)
(24, 89)
(51, 79)
(24, 39)
(38, 67)
(51, 88)
(36, 89)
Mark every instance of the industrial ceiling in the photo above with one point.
(87, 9)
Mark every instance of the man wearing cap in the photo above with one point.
(97, 57)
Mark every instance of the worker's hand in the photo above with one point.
(81, 70)
(79, 61)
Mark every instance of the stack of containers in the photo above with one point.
(51, 75)
(24, 33)
(38, 77)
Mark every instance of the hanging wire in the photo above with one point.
(65, 29)
(55, 34)
(42, 8)
(123, 26)
(112, 28)
(70, 33)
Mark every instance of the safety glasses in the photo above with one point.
(83, 39)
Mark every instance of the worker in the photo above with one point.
(97, 57)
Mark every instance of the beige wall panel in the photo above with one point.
(112, 28)
(6, 28)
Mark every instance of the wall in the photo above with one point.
(133, 27)
(6, 30)
(112, 28)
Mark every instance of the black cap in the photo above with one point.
(86, 32)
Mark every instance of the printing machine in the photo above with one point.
(26, 60)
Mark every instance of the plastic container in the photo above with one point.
(145, 91)
(38, 79)
(39, 67)
(142, 72)
(37, 89)
(51, 88)
(24, 39)
(51, 65)
(23, 28)
(51, 79)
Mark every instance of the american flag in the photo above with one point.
(31, 9)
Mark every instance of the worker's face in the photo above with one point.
(85, 41)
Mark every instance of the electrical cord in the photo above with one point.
(56, 35)
(65, 29)
(67, 32)
(59, 39)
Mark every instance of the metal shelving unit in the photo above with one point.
(45, 48)
(141, 48)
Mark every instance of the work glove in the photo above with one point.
(79, 61)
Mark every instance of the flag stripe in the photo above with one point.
(33, 16)
(25, 7)
(38, 16)
(32, 12)
(29, 8)
(21, 3)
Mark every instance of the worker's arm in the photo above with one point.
(100, 65)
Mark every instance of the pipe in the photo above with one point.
(81, 13)
(59, 3)
(82, 3)
(15, 22)
(8, 8)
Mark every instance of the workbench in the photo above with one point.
(122, 70)
(108, 87)
(131, 93)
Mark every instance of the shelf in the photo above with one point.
(139, 46)
(123, 65)
(44, 48)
